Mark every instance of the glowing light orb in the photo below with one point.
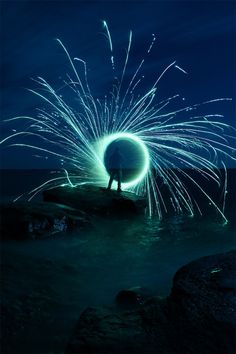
(135, 157)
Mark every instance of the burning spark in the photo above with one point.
(78, 136)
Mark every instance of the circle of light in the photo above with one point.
(107, 140)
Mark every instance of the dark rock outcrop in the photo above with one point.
(199, 316)
(204, 293)
(37, 220)
(65, 209)
(132, 298)
(97, 201)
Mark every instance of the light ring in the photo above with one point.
(107, 140)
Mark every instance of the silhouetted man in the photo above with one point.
(115, 168)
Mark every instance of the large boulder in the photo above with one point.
(197, 317)
(97, 201)
(204, 293)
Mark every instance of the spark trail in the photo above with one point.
(173, 146)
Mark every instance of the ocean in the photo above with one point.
(46, 284)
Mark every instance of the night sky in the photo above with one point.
(200, 35)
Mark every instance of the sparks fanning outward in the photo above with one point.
(171, 146)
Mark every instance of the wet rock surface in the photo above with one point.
(208, 286)
(30, 220)
(65, 209)
(199, 316)
(97, 201)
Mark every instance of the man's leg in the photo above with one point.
(119, 180)
(112, 175)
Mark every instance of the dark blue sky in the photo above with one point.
(200, 35)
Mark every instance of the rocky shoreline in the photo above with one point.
(199, 316)
(65, 209)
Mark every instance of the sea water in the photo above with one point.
(46, 284)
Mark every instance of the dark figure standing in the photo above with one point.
(115, 168)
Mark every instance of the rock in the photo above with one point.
(131, 298)
(37, 220)
(203, 300)
(97, 201)
(208, 287)
(197, 317)
(102, 330)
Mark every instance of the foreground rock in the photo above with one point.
(199, 316)
(97, 201)
(29, 220)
